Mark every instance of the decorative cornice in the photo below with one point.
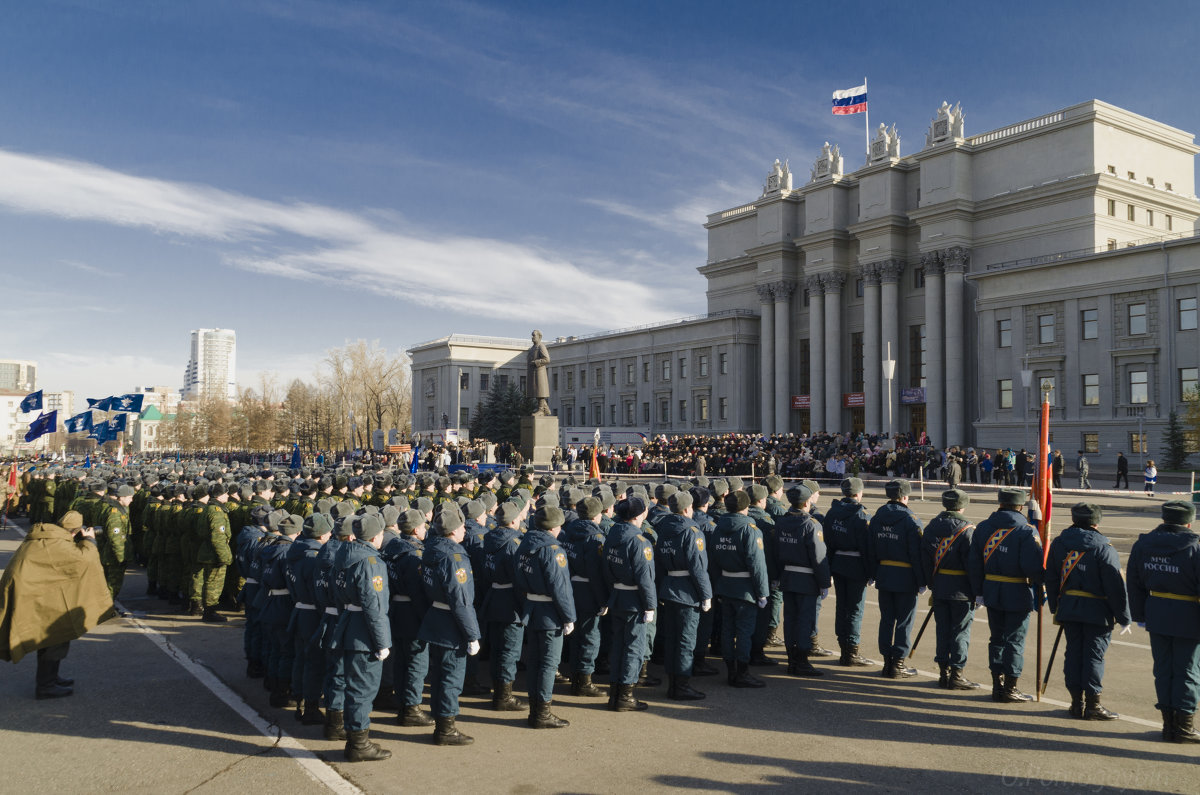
(931, 261)
(765, 293)
(833, 281)
(783, 290)
(869, 273)
(957, 259)
(890, 270)
(814, 285)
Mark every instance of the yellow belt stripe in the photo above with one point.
(1002, 578)
(1176, 596)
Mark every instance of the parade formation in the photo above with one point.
(361, 584)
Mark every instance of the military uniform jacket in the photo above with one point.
(500, 551)
(775, 508)
(274, 600)
(323, 584)
(1092, 567)
(450, 589)
(766, 524)
(629, 570)
(894, 554)
(403, 559)
(361, 586)
(212, 531)
(247, 548)
(544, 581)
(1163, 577)
(584, 542)
(473, 542)
(681, 562)
(300, 563)
(737, 553)
(115, 536)
(803, 560)
(1005, 561)
(846, 538)
(948, 536)
(656, 514)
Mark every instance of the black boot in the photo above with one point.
(899, 670)
(447, 733)
(1076, 708)
(540, 716)
(194, 608)
(1185, 730)
(700, 667)
(334, 728)
(1095, 710)
(816, 650)
(730, 671)
(758, 657)
(743, 678)
(312, 715)
(47, 681)
(802, 667)
(672, 681)
(943, 676)
(851, 659)
(211, 615)
(1168, 731)
(997, 687)
(281, 697)
(682, 690)
(887, 668)
(359, 748)
(581, 685)
(1010, 694)
(413, 716)
(503, 699)
(645, 679)
(959, 682)
(623, 699)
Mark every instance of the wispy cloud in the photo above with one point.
(489, 277)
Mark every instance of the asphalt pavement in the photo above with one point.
(162, 705)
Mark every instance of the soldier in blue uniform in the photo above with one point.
(334, 685)
(945, 545)
(544, 582)
(362, 635)
(701, 501)
(846, 539)
(302, 580)
(248, 542)
(804, 577)
(1087, 596)
(474, 537)
(765, 616)
(742, 585)
(1163, 577)
(501, 607)
(411, 654)
(894, 562)
(274, 603)
(449, 626)
(583, 541)
(684, 592)
(1005, 566)
(815, 649)
(629, 573)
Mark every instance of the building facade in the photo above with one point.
(18, 375)
(960, 265)
(212, 366)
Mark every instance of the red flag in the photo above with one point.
(1042, 483)
(594, 469)
(12, 484)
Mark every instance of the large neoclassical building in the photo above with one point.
(1060, 250)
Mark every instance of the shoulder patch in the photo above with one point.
(700, 544)
(647, 552)
(371, 560)
(417, 552)
(461, 576)
(457, 557)
(377, 583)
(759, 542)
(561, 560)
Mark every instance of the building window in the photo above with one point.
(570, 380)
(1112, 244)
(483, 382)
(554, 381)
(1131, 175)
(598, 414)
(1091, 443)
(1189, 380)
(629, 412)
(524, 386)
(502, 380)
(1091, 389)
(804, 297)
(612, 375)
(629, 373)
(1137, 443)
(683, 366)
(1137, 318)
(702, 365)
(1167, 186)
(612, 413)
(583, 415)
(918, 278)
(666, 369)
(570, 411)
(1112, 170)
(464, 380)
(1045, 329)
(1139, 387)
(1129, 212)
(645, 372)
(1149, 218)
(1187, 314)
(583, 379)
(683, 411)
(916, 355)
(664, 411)
(723, 363)
(464, 417)
(722, 408)
(702, 409)
(858, 288)
(1150, 181)
(1005, 386)
(1170, 222)
(1004, 333)
(599, 382)
(1112, 207)
(856, 361)
(646, 412)
(1089, 321)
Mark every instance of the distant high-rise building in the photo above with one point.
(18, 375)
(165, 398)
(62, 402)
(212, 368)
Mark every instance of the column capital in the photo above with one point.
(783, 290)
(957, 259)
(869, 273)
(765, 293)
(833, 281)
(931, 261)
(814, 285)
(890, 270)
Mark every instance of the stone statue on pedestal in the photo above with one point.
(539, 383)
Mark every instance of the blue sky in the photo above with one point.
(309, 173)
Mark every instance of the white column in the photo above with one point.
(766, 345)
(872, 370)
(889, 313)
(783, 355)
(833, 351)
(816, 354)
(935, 368)
(956, 261)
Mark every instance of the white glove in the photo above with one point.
(1035, 510)
(473, 648)
(706, 605)
(648, 617)
(824, 592)
(1126, 629)
(921, 590)
(603, 611)
(383, 654)
(761, 602)
(568, 628)
(979, 601)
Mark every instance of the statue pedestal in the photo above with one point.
(539, 437)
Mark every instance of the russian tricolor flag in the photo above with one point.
(852, 100)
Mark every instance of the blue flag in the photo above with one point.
(32, 402)
(101, 404)
(44, 424)
(118, 423)
(103, 432)
(87, 462)
(79, 423)
(416, 459)
(296, 456)
(132, 402)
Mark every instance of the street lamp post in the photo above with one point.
(889, 372)
(1026, 381)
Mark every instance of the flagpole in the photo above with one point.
(867, 122)
(1041, 493)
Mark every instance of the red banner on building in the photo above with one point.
(853, 400)
(801, 401)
